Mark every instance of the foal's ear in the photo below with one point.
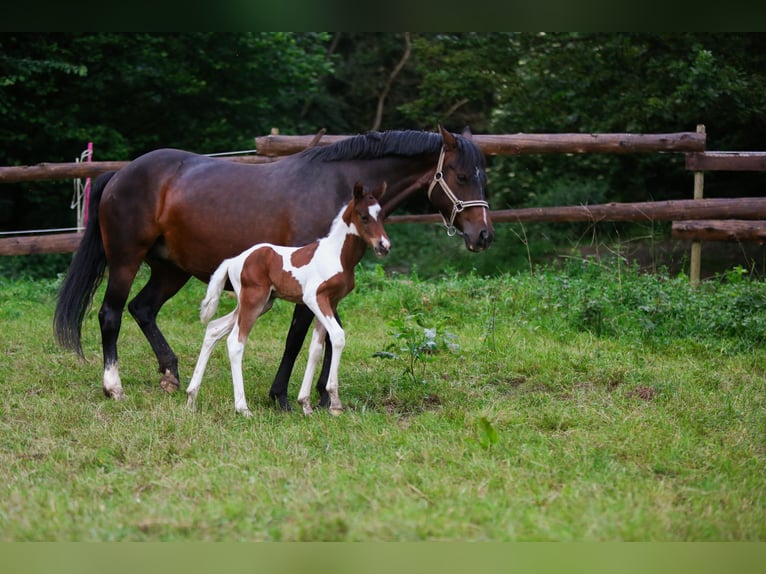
(358, 190)
(380, 191)
(448, 138)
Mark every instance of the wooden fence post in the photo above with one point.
(695, 263)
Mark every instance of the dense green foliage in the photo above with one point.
(215, 92)
(587, 404)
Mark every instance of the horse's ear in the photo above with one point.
(448, 138)
(358, 190)
(378, 193)
(467, 133)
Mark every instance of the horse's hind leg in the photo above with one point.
(164, 282)
(110, 320)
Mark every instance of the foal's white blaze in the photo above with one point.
(374, 211)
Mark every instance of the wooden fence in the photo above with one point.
(708, 219)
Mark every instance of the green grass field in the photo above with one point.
(591, 403)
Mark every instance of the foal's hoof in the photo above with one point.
(169, 382)
(306, 406)
(336, 411)
(115, 394)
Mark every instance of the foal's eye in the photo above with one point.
(365, 218)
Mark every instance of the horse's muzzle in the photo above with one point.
(479, 241)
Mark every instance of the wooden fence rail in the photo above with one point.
(751, 208)
(726, 161)
(514, 144)
(32, 244)
(684, 212)
(747, 208)
(720, 230)
(274, 146)
(79, 170)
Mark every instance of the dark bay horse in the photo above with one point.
(317, 275)
(184, 213)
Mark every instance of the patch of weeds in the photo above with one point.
(409, 406)
(414, 344)
(486, 434)
(506, 385)
(643, 393)
(108, 458)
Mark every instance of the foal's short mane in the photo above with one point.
(373, 145)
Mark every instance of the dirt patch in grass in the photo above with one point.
(643, 393)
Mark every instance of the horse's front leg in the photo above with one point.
(164, 282)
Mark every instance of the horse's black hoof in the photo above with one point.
(324, 400)
(282, 402)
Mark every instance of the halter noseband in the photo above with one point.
(457, 204)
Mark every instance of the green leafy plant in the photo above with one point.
(414, 344)
(486, 433)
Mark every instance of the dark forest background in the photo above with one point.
(215, 92)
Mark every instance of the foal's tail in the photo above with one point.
(84, 276)
(214, 289)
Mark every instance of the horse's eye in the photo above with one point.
(365, 218)
(462, 178)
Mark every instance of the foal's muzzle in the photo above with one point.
(382, 247)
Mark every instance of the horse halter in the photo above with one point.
(457, 204)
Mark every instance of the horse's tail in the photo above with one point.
(214, 289)
(84, 276)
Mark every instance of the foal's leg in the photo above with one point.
(253, 302)
(165, 281)
(338, 339)
(324, 396)
(216, 330)
(314, 354)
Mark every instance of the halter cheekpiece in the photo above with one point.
(457, 204)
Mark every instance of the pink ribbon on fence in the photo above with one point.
(86, 189)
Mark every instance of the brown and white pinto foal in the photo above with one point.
(319, 275)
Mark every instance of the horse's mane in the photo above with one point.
(375, 144)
